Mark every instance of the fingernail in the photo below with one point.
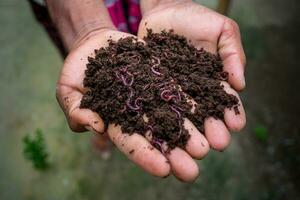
(91, 129)
(166, 176)
(243, 81)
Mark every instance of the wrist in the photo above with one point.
(88, 30)
(77, 19)
(150, 5)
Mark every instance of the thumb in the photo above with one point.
(79, 120)
(232, 54)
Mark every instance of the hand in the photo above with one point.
(216, 34)
(69, 94)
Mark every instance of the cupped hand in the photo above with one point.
(216, 34)
(137, 148)
(69, 93)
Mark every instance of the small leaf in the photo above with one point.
(261, 132)
(35, 150)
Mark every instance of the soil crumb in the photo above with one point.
(151, 87)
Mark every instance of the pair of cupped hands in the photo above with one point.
(204, 28)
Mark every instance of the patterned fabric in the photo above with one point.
(125, 14)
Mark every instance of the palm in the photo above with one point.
(204, 28)
(182, 19)
(216, 34)
(70, 84)
(69, 94)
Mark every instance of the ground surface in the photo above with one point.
(249, 169)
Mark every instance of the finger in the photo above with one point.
(140, 151)
(101, 142)
(216, 133)
(197, 146)
(234, 121)
(232, 54)
(79, 119)
(182, 165)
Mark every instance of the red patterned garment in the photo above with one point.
(125, 14)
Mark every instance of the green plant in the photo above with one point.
(35, 150)
(261, 132)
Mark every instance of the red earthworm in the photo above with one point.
(165, 95)
(178, 95)
(138, 102)
(168, 97)
(128, 102)
(135, 73)
(123, 109)
(131, 81)
(155, 65)
(130, 74)
(165, 92)
(124, 69)
(146, 86)
(172, 97)
(158, 144)
(155, 72)
(132, 78)
(166, 55)
(132, 107)
(151, 128)
(157, 59)
(166, 83)
(138, 59)
(180, 109)
(161, 84)
(174, 109)
(125, 81)
(180, 131)
(165, 88)
(130, 94)
(117, 75)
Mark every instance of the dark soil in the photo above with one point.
(147, 88)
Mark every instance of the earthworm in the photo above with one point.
(123, 109)
(158, 144)
(124, 69)
(178, 95)
(137, 61)
(117, 75)
(151, 128)
(155, 65)
(180, 109)
(125, 81)
(146, 86)
(157, 59)
(128, 104)
(132, 107)
(130, 94)
(130, 74)
(155, 72)
(180, 132)
(138, 102)
(165, 83)
(135, 107)
(165, 92)
(174, 109)
(165, 95)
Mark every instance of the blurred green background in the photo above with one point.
(261, 163)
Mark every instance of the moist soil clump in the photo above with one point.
(149, 88)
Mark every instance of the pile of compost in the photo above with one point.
(149, 88)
